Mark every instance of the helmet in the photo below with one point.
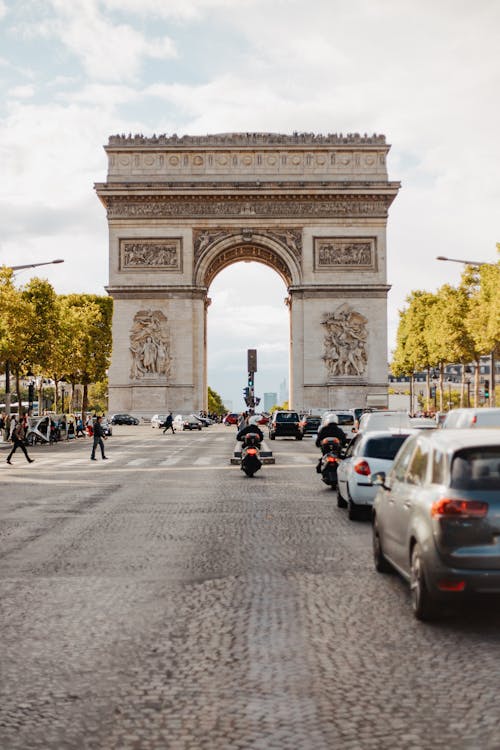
(330, 419)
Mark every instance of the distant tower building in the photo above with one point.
(270, 400)
(283, 391)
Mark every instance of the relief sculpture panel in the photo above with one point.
(150, 345)
(345, 342)
(344, 253)
(204, 238)
(160, 254)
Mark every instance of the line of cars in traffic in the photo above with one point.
(433, 494)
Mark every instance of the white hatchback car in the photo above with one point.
(472, 418)
(384, 420)
(368, 454)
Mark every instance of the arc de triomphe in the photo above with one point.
(180, 209)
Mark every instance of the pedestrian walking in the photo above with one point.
(169, 424)
(18, 440)
(98, 436)
(79, 428)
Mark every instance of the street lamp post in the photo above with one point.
(7, 363)
(492, 353)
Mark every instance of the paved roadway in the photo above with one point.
(163, 600)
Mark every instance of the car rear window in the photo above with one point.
(488, 419)
(283, 417)
(476, 469)
(345, 419)
(384, 447)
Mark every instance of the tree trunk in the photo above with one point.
(428, 389)
(476, 384)
(441, 386)
(85, 400)
(462, 387)
(18, 392)
(56, 398)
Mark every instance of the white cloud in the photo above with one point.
(3, 9)
(21, 92)
(106, 50)
(176, 9)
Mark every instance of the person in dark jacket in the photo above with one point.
(98, 436)
(169, 424)
(18, 439)
(330, 429)
(251, 427)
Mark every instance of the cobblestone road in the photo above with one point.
(163, 600)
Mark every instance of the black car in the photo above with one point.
(124, 419)
(285, 424)
(309, 424)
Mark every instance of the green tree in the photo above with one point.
(215, 403)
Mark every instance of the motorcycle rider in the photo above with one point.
(250, 426)
(329, 429)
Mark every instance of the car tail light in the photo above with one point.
(362, 467)
(448, 585)
(456, 508)
(251, 451)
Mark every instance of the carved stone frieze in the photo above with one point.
(205, 238)
(247, 252)
(160, 254)
(150, 345)
(148, 207)
(344, 253)
(345, 342)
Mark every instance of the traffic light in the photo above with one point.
(246, 394)
(250, 379)
(486, 388)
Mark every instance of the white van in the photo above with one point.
(384, 420)
(458, 419)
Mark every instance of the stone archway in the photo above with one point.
(313, 208)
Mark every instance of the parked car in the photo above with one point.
(123, 419)
(368, 454)
(186, 422)
(458, 419)
(384, 420)
(309, 424)
(158, 420)
(284, 424)
(230, 419)
(436, 517)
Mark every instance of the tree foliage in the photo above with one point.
(215, 403)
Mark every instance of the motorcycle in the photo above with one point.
(250, 454)
(329, 461)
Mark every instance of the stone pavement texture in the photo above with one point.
(187, 607)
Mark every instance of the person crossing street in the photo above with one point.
(169, 424)
(18, 436)
(98, 436)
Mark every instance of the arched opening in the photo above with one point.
(248, 311)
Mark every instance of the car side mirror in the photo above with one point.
(378, 480)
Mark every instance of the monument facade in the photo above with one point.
(181, 209)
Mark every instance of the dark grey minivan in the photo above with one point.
(436, 517)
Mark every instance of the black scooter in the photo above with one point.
(250, 453)
(329, 461)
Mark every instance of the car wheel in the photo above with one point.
(382, 565)
(271, 437)
(341, 503)
(298, 437)
(423, 605)
(353, 512)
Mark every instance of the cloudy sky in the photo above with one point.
(426, 73)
